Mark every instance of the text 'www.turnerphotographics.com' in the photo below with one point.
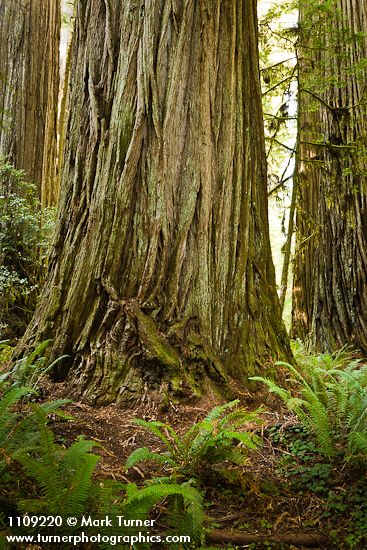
(121, 530)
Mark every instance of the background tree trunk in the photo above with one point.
(161, 276)
(29, 87)
(330, 275)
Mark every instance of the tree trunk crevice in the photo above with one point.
(330, 275)
(162, 270)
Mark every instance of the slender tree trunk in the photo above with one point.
(64, 106)
(29, 87)
(288, 245)
(161, 277)
(330, 277)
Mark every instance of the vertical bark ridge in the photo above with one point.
(29, 87)
(330, 305)
(161, 274)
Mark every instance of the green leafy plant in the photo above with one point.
(219, 438)
(180, 508)
(19, 434)
(25, 232)
(60, 479)
(65, 479)
(307, 360)
(18, 421)
(300, 464)
(19, 425)
(30, 369)
(350, 505)
(215, 439)
(332, 404)
(63, 475)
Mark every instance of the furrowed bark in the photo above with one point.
(330, 275)
(161, 277)
(29, 87)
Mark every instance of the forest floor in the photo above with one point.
(284, 493)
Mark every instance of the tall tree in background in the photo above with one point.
(29, 87)
(161, 276)
(330, 270)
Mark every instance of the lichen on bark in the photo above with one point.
(162, 260)
(330, 269)
(29, 88)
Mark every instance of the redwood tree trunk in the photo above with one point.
(29, 87)
(161, 276)
(330, 271)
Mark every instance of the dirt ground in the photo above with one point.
(260, 501)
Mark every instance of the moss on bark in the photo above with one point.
(330, 268)
(162, 258)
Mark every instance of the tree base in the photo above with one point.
(143, 365)
(100, 383)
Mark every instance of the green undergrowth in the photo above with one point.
(322, 451)
(328, 394)
(25, 237)
(41, 477)
(220, 438)
(339, 490)
(320, 454)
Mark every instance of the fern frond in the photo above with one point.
(78, 464)
(38, 352)
(273, 387)
(193, 431)
(201, 441)
(155, 428)
(218, 411)
(240, 417)
(186, 514)
(358, 444)
(54, 407)
(139, 502)
(251, 441)
(8, 418)
(319, 422)
(143, 454)
(64, 476)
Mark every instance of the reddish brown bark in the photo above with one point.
(161, 278)
(29, 87)
(330, 271)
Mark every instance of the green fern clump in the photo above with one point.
(307, 360)
(30, 369)
(9, 423)
(330, 402)
(64, 476)
(19, 435)
(180, 509)
(19, 427)
(60, 481)
(217, 438)
(18, 421)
